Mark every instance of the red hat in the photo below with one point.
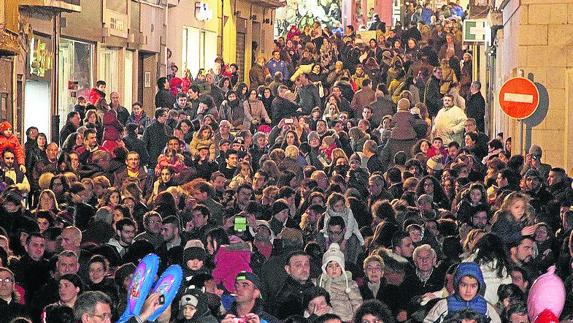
(5, 125)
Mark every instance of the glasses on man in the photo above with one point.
(103, 317)
(7, 280)
(335, 233)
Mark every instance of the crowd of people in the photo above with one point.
(350, 180)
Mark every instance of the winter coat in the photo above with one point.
(155, 138)
(449, 125)
(344, 294)
(197, 142)
(432, 96)
(454, 303)
(142, 122)
(229, 261)
(68, 129)
(278, 66)
(177, 165)
(256, 76)
(491, 279)
(288, 300)
(402, 128)
(361, 99)
(143, 180)
(132, 143)
(111, 126)
(381, 107)
(255, 110)
(282, 108)
(13, 144)
(350, 221)
(234, 114)
(164, 99)
(95, 95)
(475, 108)
(308, 98)
(508, 229)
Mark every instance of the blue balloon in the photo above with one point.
(168, 286)
(140, 285)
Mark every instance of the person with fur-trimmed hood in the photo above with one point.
(468, 281)
(193, 307)
(344, 294)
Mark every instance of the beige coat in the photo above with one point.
(255, 110)
(343, 304)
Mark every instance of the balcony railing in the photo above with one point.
(58, 5)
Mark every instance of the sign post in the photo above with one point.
(519, 98)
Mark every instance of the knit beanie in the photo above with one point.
(333, 254)
(194, 297)
(313, 135)
(194, 253)
(5, 125)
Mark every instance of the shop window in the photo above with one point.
(75, 74)
(199, 49)
(108, 69)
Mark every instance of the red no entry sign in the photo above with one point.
(519, 97)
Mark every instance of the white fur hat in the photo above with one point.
(333, 254)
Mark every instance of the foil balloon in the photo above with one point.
(546, 294)
(140, 285)
(168, 286)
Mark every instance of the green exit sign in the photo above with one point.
(475, 30)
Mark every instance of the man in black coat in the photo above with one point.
(156, 135)
(432, 95)
(9, 307)
(133, 143)
(72, 123)
(288, 299)
(32, 270)
(475, 106)
(308, 97)
(164, 98)
(282, 107)
(382, 106)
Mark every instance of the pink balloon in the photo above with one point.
(546, 293)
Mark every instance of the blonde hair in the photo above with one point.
(338, 153)
(512, 198)
(472, 235)
(291, 152)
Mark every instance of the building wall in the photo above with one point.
(182, 16)
(537, 40)
(246, 10)
(87, 27)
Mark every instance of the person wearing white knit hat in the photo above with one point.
(344, 294)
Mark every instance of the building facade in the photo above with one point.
(535, 40)
(55, 50)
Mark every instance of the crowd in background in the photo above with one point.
(350, 180)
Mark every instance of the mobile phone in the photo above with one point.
(289, 121)
(240, 224)
(162, 299)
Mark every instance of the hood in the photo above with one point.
(469, 269)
